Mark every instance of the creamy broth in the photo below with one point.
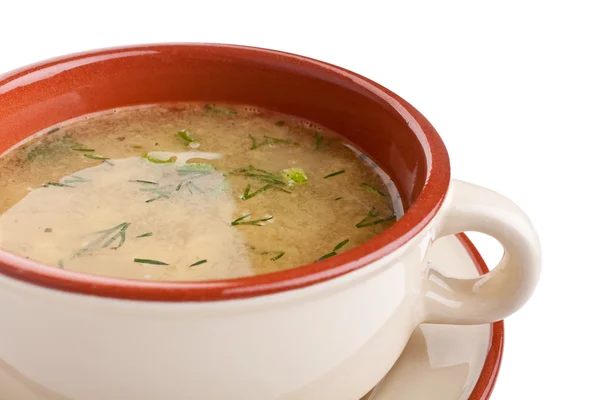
(188, 192)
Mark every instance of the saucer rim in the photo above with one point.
(489, 373)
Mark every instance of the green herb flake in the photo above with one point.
(280, 123)
(61, 264)
(372, 189)
(334, 174)
(53, 130)
(143, 235)
(184, 136)
(143, 181)
(213, 108)
(84, 150)
(338, 198)
(257, 222)
(278, 256)
(294, 175)
(76, 179)
(198, 263)
(157, 160)
(340, 244)
(148, 261)
(318, 142)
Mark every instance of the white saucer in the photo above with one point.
(440, 362)
(447, 362)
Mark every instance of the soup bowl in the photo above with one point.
(328, 330)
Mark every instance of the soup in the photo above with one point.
(189, 192)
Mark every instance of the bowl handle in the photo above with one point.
(503, 290)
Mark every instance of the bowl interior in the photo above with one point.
(396, 136)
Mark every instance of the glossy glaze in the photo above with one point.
(464, 360)
(337, 327)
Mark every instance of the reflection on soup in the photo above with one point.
(189, 192)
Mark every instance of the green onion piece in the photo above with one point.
(197, 263)
(334, 174)
(156, 160)
(280, 123)
(85, 150)
(148, 261)
(278, 256)
(294, 175)
(340, 244)
(184, 136)
(143, 235)
(333, 253)
(370, 188)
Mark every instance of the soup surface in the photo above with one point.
(189, 192)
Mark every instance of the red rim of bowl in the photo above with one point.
(420, 213)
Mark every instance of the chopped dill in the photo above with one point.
(247, 195)
(84, 150)
(334, 174)
(76, 179)
(280, 123)
(278, 256)
(258, 174)
(143, 235)
(160, 196)
(370, 220)
(95, 157)
(328, 255)
(198, 169)
(370, 188)
(282, 190)
(148, 261)
(198, 263)
(57, 184)
(335, 250)
(61, 264)
(256, 222)
(338, 198)
(143, 181)
(212, 107)
(340, 244)
(178, 187)
(107, 237)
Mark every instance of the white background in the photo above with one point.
(513, 88)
